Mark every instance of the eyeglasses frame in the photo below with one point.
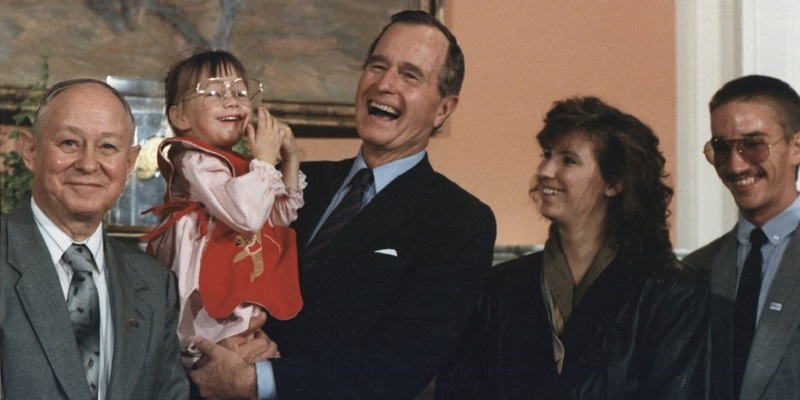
(734, 144)
(228, 84)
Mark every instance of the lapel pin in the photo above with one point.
(133, 323)
(775, 306)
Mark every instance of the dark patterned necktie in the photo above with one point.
(339, 218)
(745, 307)
(84, 310)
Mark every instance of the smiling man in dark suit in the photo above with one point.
(386, 295)
(755, 268)
(116, 336)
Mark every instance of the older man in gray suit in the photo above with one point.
(82, 315)
(755, 268)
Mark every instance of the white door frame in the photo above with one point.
(717, 41)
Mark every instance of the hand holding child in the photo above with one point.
(253, 344)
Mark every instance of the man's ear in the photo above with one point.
(794, 148)
(446, 107)
(613, 190)
(133, 155)
(178, 118)
(26, 146)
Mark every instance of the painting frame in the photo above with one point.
(331, 120)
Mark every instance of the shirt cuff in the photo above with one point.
(265, 381)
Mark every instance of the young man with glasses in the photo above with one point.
(755, 268)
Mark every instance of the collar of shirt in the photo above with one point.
(777, 229)
(384, 175)
(58, 242)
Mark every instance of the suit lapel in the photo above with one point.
(723, 276)
(408, 195)
(324, 180)
(723, 292)
(132, 320)
(41, 295)
(779, 322)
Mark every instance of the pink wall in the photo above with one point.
(522, 55)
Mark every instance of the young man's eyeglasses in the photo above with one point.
(753, 149)
(214, 91)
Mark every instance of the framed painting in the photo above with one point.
(308, 54)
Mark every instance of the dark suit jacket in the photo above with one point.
(376, 325)
(773, 367)
(40, 358)
(638, 333)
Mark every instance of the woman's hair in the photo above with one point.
(627, 153)
(184, 75)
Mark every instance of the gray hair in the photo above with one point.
(62, 87)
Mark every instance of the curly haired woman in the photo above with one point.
(605, 311)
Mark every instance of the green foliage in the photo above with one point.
(15, 179)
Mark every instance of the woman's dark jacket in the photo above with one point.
(636, 334)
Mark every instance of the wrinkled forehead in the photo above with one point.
(83, 99)
(749, 116)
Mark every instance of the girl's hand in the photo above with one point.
(253, 344)
(291, 160)
(264, 140)
(288, 144)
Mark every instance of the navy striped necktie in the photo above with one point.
(344, 212)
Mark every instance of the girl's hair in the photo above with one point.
(183, 77)
(627, 153)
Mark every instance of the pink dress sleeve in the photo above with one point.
(245, 202)
(284, 211)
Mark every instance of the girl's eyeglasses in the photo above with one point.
(214, 92)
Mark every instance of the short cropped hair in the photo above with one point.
(62, 87)
(452, 75)
(775, 92)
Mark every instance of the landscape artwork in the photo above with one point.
(307, 51)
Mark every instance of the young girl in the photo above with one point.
(224, 219)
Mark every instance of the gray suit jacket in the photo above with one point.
(773, 367)
(38, 353)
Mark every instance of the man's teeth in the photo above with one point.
(382, 109)
(744, 181)
(550, 191)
